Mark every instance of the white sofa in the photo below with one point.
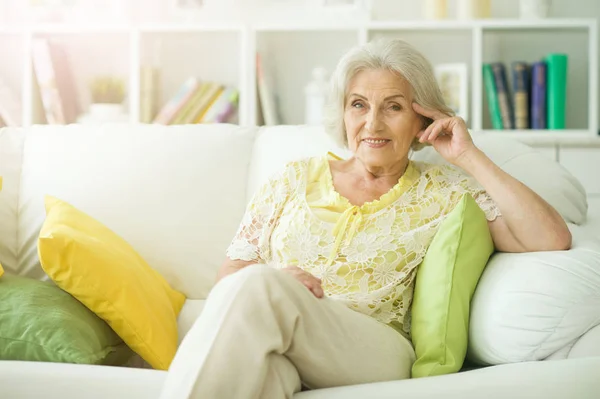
(177, 195)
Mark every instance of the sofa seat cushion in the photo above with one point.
(33, 380)
(529, 306)
(189, 313)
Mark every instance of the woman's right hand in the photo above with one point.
(311, 282)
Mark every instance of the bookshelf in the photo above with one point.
(226, 53)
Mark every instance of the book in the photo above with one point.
(503, 95)
(492, 97)
(520, 74)
(212, 93)
(170, 109)
(266, 96)
(65, 82)
(556, 90)
(223, 107)
(184, 112)
(149, 89)
(538, 95)
(47, 82)
(10, 107)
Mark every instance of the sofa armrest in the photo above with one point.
(529, 306)
(20, 380)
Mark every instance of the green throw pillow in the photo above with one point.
(446, 281)
(41, 322)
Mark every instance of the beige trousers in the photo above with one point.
(262, 332)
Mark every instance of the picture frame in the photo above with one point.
(453, 81)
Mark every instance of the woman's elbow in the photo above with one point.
(560, 240)
(564, 240)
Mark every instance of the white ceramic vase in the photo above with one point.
(534, 9)
(473, 9)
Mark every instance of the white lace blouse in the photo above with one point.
(366, 256)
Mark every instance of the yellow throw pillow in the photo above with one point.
(101, 270)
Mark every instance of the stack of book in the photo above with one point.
(199, 102)
(538, 96)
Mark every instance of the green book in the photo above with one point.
(492, 96)
(557, 90)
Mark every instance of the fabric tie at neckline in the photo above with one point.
(341, 227)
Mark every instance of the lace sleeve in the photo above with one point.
(465, 184)
(251, 242)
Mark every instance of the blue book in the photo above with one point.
(538, 95)
(520, 74)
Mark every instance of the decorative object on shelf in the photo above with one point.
(50, 11)
(435, 9)
(453, 82)
(76, 12)
(108, 93)
(189, 11)
(189, 4)
(341, 3)
(534, 9)
(350, 10)
(473, 9)
(315, 94)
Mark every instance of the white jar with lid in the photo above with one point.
(435, 9)
(474, 9)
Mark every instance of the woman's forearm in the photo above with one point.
(231, 266)
(532, 221)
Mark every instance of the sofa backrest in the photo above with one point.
(11, 155)
(175, 194)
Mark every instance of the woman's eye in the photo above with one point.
(357, 105)
(395, 107)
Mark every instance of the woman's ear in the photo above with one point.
(426, 122)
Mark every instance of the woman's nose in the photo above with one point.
(373, 123)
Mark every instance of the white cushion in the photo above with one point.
(573, 378)
(11, 153)
(546, 177)
(529, 306)
(587, 345)
(175, 194)
(189, 313)
(29, 380)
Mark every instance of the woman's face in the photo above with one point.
(379, 118)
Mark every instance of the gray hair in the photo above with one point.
(394, 55)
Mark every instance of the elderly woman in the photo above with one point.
(318, 280)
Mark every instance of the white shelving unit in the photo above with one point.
(226, 53)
